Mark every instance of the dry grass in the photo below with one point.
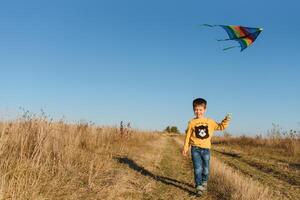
(273, 161)
(42, 159)
(290, 146)
(232, 185)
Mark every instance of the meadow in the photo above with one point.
(46, 159)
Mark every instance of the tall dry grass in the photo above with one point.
(42, 159)
(230, 184)
(289, 144)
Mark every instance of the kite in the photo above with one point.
(244, 35)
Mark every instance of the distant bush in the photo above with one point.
(171, 129)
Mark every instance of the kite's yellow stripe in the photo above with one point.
(248, 41)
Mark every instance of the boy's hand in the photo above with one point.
(228, 116)
(184, 152)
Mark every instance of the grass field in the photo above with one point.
(42, 159)
(273, 162)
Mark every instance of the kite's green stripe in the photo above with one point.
(243, 44)
(230, 32)
(236, 33)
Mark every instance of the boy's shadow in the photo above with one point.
(166, 180)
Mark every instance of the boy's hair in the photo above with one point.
(199, 102)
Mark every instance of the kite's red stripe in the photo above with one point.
(238, 32)
(249, 39)
(241, 31)
(246, 33)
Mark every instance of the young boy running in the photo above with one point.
(198, 135)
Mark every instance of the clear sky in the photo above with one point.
(145, 61)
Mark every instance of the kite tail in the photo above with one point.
(227, 48)
(208, 25)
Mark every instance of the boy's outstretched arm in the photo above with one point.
(224, 123)
(187, 140)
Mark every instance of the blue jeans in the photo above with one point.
(200, 157)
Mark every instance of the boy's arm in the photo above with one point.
(187, 138)
(224, 123)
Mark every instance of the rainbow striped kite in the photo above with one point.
(244, 35)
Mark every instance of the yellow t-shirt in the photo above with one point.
(200, 131)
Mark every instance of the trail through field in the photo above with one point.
(170, 177)
(157, 170)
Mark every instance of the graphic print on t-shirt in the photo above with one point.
(201, 131)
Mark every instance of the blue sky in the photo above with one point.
(145, 61)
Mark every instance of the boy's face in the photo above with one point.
(199, 111)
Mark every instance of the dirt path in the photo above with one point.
(157, 170)
(134, 177)
(175, 174)
(164, 175)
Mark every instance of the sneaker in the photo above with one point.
(198, 192)
(204, 184)
(200, 188)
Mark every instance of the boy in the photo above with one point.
(198, 135)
